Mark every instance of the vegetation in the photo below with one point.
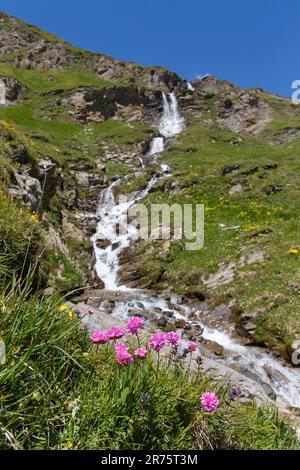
(58, 391)
(264, 212)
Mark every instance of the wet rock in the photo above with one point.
(103, 243)
(161, 322)
(214, 347)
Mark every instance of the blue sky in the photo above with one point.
(252, 43)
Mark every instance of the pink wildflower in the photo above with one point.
(157, 341)
(209, 402)
(123, 357)
(173, 338)
(115, 333)
(192, 347)
(134, 324)
(99, 337)
(140, 353)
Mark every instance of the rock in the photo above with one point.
(180, 324)
(236, 189)
(49, 291)
(99, 320)
(161, 322)
(270, 166)
(27, 189)
(70, 230)
(248, 329)
(295, 345)
(256, 256)
(103, 243)
(251, 171)
(271, 189)
(216, 348)
(11, 91)
(230, 169)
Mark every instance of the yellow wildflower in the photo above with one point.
(34, 217)
(69, 445)
(62, 308)
(293, 251)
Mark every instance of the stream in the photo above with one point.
(281, 381)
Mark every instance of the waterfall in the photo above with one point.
(172, 122)
(157, 145)
(252, 362)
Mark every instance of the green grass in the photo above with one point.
(21, 238)
(267, 221)
(38, 80)
(59, 392)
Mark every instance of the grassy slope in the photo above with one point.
(267, 222)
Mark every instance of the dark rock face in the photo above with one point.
(98, 104)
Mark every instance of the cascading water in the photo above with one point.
(172, 122)
(157, 145)
(108, 245)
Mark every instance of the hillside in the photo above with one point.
(73, 122)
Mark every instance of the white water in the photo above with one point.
(157, 145)
(190, 87)
(172, 122)
(284, 381)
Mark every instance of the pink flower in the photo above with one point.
(121, 347)
(140, 353)
(209, 402)
(99, 337)
(115, 332)
(192, 347)
(173, 338)
(134, 324)
(157, 341)
(123, 357)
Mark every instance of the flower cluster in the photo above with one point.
(123, 357)
(209, 402)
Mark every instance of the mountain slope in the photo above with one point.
(72, 121)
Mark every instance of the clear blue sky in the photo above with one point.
(252, 43)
